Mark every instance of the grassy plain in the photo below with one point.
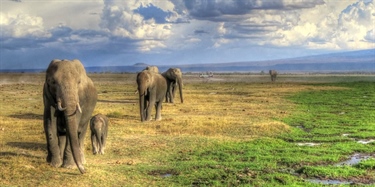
(232, 130)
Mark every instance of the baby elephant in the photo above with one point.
(99, 130)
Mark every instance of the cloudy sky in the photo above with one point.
(170, 32)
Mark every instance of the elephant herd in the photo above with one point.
(70, 97)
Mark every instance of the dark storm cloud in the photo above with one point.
(208, 9)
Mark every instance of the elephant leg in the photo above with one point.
(94, 144)
(174, 89)
(169, 91)
(104, 140)
(98, 136)
(170, 94)
(62, 145)
(81, 137)
(50, 129)
(151, 103)
(158, 111)
(145, 110)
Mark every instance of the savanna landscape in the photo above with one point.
(231, 130)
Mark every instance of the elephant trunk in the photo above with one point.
(142, 94)
(179, 81)
(72, 108)
(72, 128)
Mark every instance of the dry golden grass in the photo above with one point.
(229, 107)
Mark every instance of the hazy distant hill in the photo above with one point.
(363, 60)
(354, 61)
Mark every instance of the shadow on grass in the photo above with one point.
(27, 116)
(27, 145)
(13, 154)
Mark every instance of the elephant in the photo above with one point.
(151, 88)
(69, 98)
(174, 77)
(154, 69)
(273, 74)
(99, 131)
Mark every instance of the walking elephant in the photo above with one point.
(174, 78)
(99, 131)
(69, 98)
(151, 88)
(273, 74)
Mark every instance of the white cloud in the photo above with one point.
(335, 25)
(22, 25)
(120, 20)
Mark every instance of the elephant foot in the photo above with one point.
(158, 119)
(69, 165)
(54, 161)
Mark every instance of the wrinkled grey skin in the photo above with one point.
(151, 88)
(154, 69)
(99, 131)
(273, 74)
(174, 78)
(69, 98)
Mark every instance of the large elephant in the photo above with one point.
(151, 88)
(174, 78)
(273, 74)
(99, 131)
(69, 98)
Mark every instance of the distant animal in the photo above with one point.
(99, 131)
(273, 74)
(152, 88)
(69, 98)
(207, 75)
(174, 78)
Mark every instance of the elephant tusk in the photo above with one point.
(60, 107)
(79, 108)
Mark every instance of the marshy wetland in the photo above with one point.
(231, 130)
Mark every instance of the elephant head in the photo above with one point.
(174, 77)
(71, 93)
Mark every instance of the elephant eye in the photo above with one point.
(79, 81)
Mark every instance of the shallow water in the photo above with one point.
(329, 182)
(353, 160)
